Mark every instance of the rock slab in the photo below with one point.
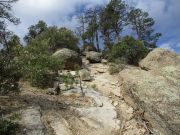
(157, 91)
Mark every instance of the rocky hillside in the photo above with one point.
(138, 101)
(154, 88)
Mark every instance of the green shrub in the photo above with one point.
(68, 80)
(39, 66)
(10, 72)
(9, 78)
(130, 49)
(7, 127)
(58, 38)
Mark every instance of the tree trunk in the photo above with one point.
(97, 41)
(92, 40)
(83, 31)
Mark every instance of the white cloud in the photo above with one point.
(53, 12)
(167, 17)
(56, 12)
(168, 46)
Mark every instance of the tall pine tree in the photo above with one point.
(142, 24)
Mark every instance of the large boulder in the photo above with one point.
(156, 91)
(158, 97)
(69, 57)
(93, 57)
(164, 63)
(160, 58)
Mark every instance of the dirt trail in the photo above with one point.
(109, 86)
(102, 111)
(69, 114)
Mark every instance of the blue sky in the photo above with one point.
(63, 13)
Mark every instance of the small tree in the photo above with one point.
(80, 81)
(142, 24)
(58, 38)
(10, 67)
(68, 80)
(112, 22)
(35, 30)
(129, 49)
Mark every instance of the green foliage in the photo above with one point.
(68, 79)
(39, 66)
(5, 12)
(35, 30)
(9, 76)
(109, 22)
(15, 116)
(142, 24)
(77, 67)
(57, 38)
(112, 22)
(7, 127)
(10, 67)
(130, 49)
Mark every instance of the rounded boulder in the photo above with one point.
(69, 57)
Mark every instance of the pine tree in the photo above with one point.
(142, 24)
(92, 19)
(112, 21)
(35, 30)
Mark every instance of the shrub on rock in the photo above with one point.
(130, 49)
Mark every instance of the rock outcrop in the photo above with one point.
(155, 91)
(93, 57)
(90, 115)
(159, 58)
(69, 57)
(31, 118)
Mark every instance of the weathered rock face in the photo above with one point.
(69, 57)
(160, 58)
(31, 119)
(69, 114)
(157, 91)
(93, 57)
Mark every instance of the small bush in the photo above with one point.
(130, 49)
(68, 80)
(58, 38)
(9, 72)
(39, 66)
(7, 127)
